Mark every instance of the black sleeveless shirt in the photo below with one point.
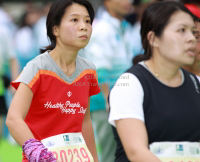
(170, 113)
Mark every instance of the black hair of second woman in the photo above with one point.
(155, 18)
(54, 17)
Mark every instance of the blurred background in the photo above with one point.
(22, 33)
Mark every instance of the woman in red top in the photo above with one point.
(53, 90)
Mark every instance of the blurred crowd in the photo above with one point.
(114, 43)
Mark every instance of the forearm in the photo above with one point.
(88, 135)
(21, 133)
(134, 138)
(105, 90)
(19, 130)
(103, 79)
(142, 155)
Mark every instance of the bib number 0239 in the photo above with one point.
(72, 155)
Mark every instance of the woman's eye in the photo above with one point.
(181, 30)
(74, 20)
(194, 32)
(88, 21)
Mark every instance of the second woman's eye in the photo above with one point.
(181, 30)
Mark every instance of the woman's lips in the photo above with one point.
(84, 37)
(191, 52)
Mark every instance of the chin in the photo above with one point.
(80, 46)
(189, 62)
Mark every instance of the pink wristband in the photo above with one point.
(36, 152)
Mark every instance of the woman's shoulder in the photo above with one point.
(137, 69)
(40, 61)
(85, 63)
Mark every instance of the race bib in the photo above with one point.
(176, 151)
(68, 147)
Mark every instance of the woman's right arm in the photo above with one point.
(17, 112)
(133, 134)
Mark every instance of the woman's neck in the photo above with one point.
(65, 58)
(166, 71)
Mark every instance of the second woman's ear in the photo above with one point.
(153, 41)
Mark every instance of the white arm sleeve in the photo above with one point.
(126, 99)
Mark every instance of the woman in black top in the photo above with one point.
(156, 100)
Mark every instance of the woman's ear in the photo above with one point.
(55, 31)
(153, 40)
